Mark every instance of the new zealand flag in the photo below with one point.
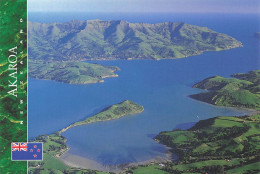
(26, 151)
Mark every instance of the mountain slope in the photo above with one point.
(97, 39)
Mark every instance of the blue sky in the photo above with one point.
(147, 6)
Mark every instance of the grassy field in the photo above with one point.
(151, 169)
(53, 163)
(220, 143)
(250, 168)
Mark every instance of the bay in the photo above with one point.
(162, 87)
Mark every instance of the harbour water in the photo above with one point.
(162, 87)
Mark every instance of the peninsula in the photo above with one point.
(117, 39)
(55, 146)
(242, 91)
(71, 72)
(113, 112)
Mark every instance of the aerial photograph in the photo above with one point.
(144, 86)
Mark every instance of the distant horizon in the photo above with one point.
(82, 12)
(146, 6)
(61, 17)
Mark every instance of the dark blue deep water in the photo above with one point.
(162, 87)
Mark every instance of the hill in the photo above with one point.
(71, 72)
(116, 111)
(219, 144)
(241, 92)
(97, 39)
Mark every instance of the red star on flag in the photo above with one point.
(34, 146)
(38, 150)
(34, 155)
(31, 150)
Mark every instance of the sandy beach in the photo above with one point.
(81, 162)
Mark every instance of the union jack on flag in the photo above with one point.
(26, 151)
(19, 146)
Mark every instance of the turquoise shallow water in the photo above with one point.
(162, 87)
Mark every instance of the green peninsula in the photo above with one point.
(113, 112)
(55, 146)
(99, 39)
(71, 72)
(241, 91)
(218, 145)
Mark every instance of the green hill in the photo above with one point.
(252, 76)
(116, 111)
(97, 39)
(216, 144)
(242, 92)
(71, 72)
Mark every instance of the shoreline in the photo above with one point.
(77, 161)
(249, 111)
(73, 160)
(102, 80)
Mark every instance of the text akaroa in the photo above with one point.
(12, 68)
